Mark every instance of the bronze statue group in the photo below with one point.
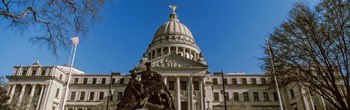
(149, 93)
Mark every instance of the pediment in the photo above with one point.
(173, 61)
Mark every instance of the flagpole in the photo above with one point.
(274, 73)
(70, 55)
(65, 95)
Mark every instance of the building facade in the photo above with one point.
(174, 54)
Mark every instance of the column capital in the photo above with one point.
(11, 84)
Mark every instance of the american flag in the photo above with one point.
(75, 41)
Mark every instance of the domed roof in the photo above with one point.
(173, 37)
(173, 27)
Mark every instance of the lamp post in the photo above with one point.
(274, 73)
(223, 89)
(75, 41)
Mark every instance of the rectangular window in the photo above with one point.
(215, 81)
(256, 96)
(216, 96)
(171, 85)
(275, 96)
(120, 95)
(24, 72)
(85, 80)
(43, 72)
(253, 80)
(82, 95)
(57, 93)
(94, 80)
(183, 85)
(226, 96)
(103, 81)
(225, 81)
(266, 96)
(72, 95)
(61, 76)
(121, 81)
(196, 85)
(76, 80)
(291, 93)
(113, 81)
(101, 96)
(33, 72)
(246, 96)
(234, 81)
(235, 96)
(263, 81)
(92, 94)
(244, 81)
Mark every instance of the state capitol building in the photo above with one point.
(175, 55)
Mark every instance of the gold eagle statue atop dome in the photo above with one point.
(173, 7)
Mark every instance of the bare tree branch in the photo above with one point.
(312, 48)
(59, 19)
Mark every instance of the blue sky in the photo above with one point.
(230, 34)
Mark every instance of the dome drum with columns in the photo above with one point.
(173, 37)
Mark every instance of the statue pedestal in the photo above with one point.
(142, 109)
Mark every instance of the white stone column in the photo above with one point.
(195, 56)
(304, 97)
(19, 71)
(51, 71)
(21, 95)
(14, 71)
(190, 56)
(156, 53)
(165, 79)
(29, 71)
(40, 97)
(31, 96)
(201, 87)
(162, 51)
(190, 93)
(13, 89)
(38, 71)
(323, 103)
(169, 50)
(177, 50)
(311, 101)
(178, 98)
(184, 52)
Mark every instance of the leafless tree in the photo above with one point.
(58, 19)
(312, 47)
(3, 95)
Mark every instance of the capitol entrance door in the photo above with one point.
(184, 105)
